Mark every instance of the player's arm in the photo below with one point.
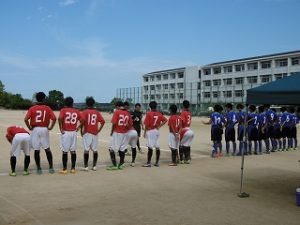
(26, 120)
(9, 135)
(163, 122)
(80, 124)
(53, 120)
(60, 121)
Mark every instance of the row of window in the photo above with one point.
(226, 94)
(159, 87)
(240, 80)
(163, 96)
(165, 76)
(251, 66)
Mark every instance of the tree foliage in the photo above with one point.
(55, 99)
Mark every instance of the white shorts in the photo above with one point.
(90, 142)
(152, 137)
(119, 142)
(173, 141)
(68, 141)
(20, 142)
(132, 138)
(187, 138)
(40, 138)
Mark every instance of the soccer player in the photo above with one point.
(231, 120)
(186, 135)
(241, 127)
(277, 133)
(217, 121)
(286, 122)
(262, 120)
(20, 140)
(137, 116)
(175, 128)
(154, 120)
(271, 118)
(93, 123)
(121, 123)
(69, 121)
(295, 121)
(37, 120)
(252, 120)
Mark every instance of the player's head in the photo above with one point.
(229, 106)
(69, 101)
(283, 109)
(239, 106)
(261, 109)
(153, 105)
(119, 104)
(186, 104)
(218, 108)
(40, 96)
(292, 109)
(90, 102)
(126, 105)
(252, 108)
(137, 107)
(267, 106)
(173, 109)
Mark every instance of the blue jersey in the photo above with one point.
(217, 119)
(271, 116)
(295, 119)
(241, 117)
(231, 119)
(286, 119)
(253, 119)
(262, 119)
(277, 123)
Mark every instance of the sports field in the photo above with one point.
(204, 192)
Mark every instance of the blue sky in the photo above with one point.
(92, 47)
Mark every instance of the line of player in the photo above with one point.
(126, 130)
(278, 130)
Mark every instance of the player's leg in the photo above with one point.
(73, 151)
(150, 144)
(73, 161)
(112, 152)
(173, 157)
(94, 147)
(64, 162)
(227, 141)
(181, 153)
(26, 149)
(36, 145)
(45, 142)
(133, 138)
(86, 160)
(50, 159)
(87, 140)
(95, 160)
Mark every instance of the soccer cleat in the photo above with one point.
(12, 174)
(181, 162)
(220, 154)
(72, 171)
(25, 173)
(94, 168)
(86, 169)
(110, 168)
(187, 162)
(156, 164)
(121, 166)
(132, 164)
(39, 171)
(63, 172)
(172, 164)
(147, 165)
(51, 170)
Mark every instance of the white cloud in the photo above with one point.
(65, 3)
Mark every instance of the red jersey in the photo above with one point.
(40, 115)
(13, 130)
(175, 122)
(154, 119)
(122, 121)
(91, 119)
(186, 116)
(69, 118)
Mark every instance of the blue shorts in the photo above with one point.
(270, 131)
(277, 133)
(230, 134)
(286, 132)
(293, 132)
(252, 134)
(240, 132)
(216, 133)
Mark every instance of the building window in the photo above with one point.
(152, 78)
(172, 76)
(166, 96)
(165, 86)
(280, 75)
(252, 66)
(239, 93)
(165, 76)
(265, 64)
(266, 78)
(158, 87)
(217, 70)
(239, 68)
(146, 88)
(180, 75)
(216, 94)
(199, 74)
(172, 86)
(252, 80)
(179, 85)
(227, 94)
(227, 69)
(295, 61)
(146, 79)
(158, 77)
(207, 71)
(207, 83)
(152, 87)
(281, 62)
(239, 80)
(180, 95)
(158, 96)
(146, 97)
(228, 81)
(199, 85)
(206, 94)
(172, 96)
(152, 97)
(217, 82)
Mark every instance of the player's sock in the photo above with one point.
(157, 155)
(296, 142)
(188, 150)
(122, 157)
(181, 150)
(259, 146)
(234, 147)
(174, 155)
(133, 154)
(273, 144)
(245, 147)
(284, 143)
(138, 144)
(255, 146)
(113, 157)
(290, 143)
(215, 146)
(227, 147)
(13, 162)
(240, 147)
(250, 147)
(185, 152)
(95, 158)
(267, 143)
(49, 157)
(26, 162)
(86, 158)
(73, 159)
(64, 160)
(37, 159)
(280, 143)
(149, 156)
(220, 146)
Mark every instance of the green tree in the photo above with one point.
(55, 99)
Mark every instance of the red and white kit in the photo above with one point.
(186, 135)
(19, 139)
(175, 125)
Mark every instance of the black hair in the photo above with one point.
(229, 106)
(137, 105)
(153, 105)
(239, 106)
(283, 109)
(119, 104)
(186, 104)
(173, 109)
(292, 109)
(126, 103)
(40, 96)
(90, 101)
(252, 108)
(261, 109)
(267, 106)
(218, 108)
(69, 101)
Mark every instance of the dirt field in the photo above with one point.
(204, 192)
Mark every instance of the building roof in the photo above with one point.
(165, 71)
(253, 58)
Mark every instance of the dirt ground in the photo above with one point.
(204, 192)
